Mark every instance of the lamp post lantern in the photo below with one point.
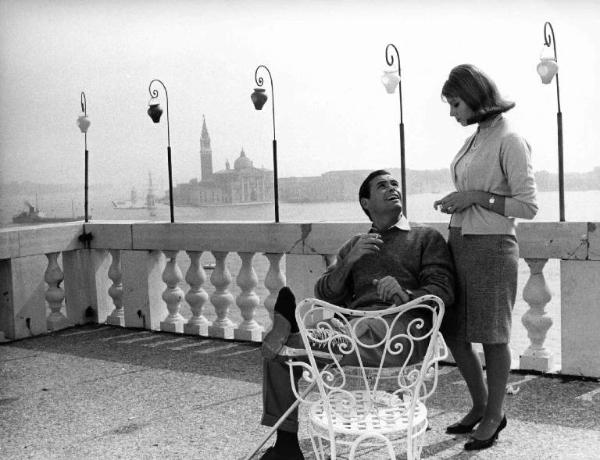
(155, 112)
(547, 69)
(390, 80)
(259, 98)
(84, 123)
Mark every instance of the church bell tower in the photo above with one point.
(205, 152)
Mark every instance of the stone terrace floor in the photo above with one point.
(101, 392)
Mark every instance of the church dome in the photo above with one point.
(242, 162)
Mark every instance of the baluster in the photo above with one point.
(221, 298)
(115, 291)
(55, 294)
(196, 296)
(247, 300)
(172, 295)
(536, 320)
(274, 281)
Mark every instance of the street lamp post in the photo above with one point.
(155, 112)
(84, 123)
(547, 69)
(258, 99)
(390, 80)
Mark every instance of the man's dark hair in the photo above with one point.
(365, 188)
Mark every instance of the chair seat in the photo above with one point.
(384, 413)
(290, 352)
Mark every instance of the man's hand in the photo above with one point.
(389, 290)
(368, 243)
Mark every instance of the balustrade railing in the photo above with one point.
(236, 301)
(55, 294)
(196, 296)
(221, 299)
(115, 291)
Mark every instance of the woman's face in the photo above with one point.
(459, 110)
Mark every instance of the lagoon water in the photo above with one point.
(580, 206)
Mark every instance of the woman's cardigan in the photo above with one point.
(499, 164)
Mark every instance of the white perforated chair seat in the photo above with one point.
(385, 413)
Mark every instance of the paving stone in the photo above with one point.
(85, 393)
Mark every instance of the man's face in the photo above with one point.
(385, 196)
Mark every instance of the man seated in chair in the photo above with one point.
(392, 263)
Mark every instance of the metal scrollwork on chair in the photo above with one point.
(372, 370)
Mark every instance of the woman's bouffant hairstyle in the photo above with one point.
(477, 90)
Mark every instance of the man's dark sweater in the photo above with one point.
(418, 258)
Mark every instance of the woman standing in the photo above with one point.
(494, 180)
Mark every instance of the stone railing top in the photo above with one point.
(542, 240)
(40, 239)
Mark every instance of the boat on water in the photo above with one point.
(32, 215)
(135, 203)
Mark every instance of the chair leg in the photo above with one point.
(414, 445)
(317, 450)
(280, 421)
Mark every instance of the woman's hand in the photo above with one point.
(454, 202)
(389, 290)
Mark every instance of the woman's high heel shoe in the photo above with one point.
(478, 444)
(461, 428)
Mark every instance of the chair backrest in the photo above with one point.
(396, 349)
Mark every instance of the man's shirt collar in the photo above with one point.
(402, 224)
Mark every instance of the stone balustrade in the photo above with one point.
(131, 276)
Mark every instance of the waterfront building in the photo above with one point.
(242, 184)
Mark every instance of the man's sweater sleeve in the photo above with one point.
(335, 285)
(437, 269)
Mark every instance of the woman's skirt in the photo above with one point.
(486, 287)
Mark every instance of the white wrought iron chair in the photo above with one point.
(371, 393)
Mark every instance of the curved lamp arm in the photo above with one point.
(390, 50)
(550, 39)
(83, 104)
(154, 95)
(259, 81)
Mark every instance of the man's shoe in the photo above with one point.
(276, 337)
(272, 454)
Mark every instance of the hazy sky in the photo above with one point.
(326, 59)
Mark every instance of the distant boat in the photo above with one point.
(32, 215)
(133, 203)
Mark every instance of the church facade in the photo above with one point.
(242, 184)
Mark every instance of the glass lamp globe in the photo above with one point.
(259, 98)
(547, 68)
(84, 123)
(390, 80)
(154, 110)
